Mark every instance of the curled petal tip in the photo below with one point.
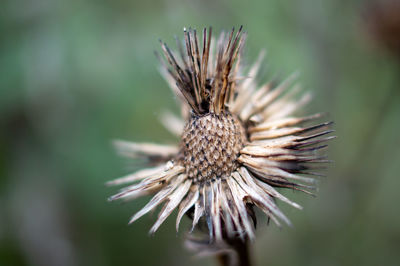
(112, 198)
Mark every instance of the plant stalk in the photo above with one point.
(240, 257)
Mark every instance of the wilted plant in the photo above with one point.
(239, 143)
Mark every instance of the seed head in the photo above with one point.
(210, 146)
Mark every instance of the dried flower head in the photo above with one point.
(239, 142)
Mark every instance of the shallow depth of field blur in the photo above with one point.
(76, 74)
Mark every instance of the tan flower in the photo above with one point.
(239, 142)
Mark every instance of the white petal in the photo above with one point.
(283, 122)
(246, 89)
(261, 199)
(173, 201)
(281, 108)
(271, 168)
(215, 211)
(138, 175)
(189, 201)
(228, 217)
(275, 133)
(158, 198)
(267, 188)
(253, 105)
(133, 149)
(238, 196)
(149, 182)
(198, 212)
(265, 151)
(173, 123)
(259, 103)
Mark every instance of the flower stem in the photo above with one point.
(223, 259)
(241, 256)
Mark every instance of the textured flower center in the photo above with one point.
(210, 146)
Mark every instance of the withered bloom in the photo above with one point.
(239, 142)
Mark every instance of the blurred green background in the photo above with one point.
(76, 74)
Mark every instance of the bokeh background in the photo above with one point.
(76, 74)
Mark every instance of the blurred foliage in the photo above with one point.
(76, 74)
